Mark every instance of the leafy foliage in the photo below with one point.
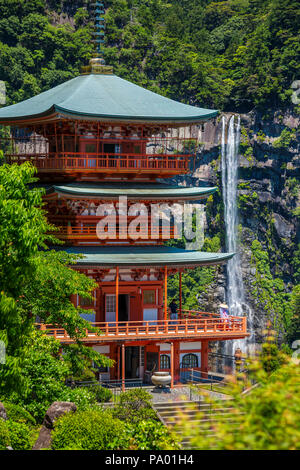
(18, 414)
(223, 54)
(102, 394)
(134, 406)
(23, 228)
(267, 418)
(89, 430)
(236, 54)
(83, 398)
(293, 333)
(151, 435)
(269, 290)
(36, 284)
(97, 429)
(4, 435)
(45, 372)
(285, 139)
(19, 435)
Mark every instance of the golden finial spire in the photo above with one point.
(97, 63)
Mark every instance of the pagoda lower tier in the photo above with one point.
(131, 311)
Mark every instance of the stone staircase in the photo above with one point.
(172, 413)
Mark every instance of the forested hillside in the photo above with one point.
(231, 55)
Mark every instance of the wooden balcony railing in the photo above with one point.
(208, 328)
(104, 162)
(195, 314)
(88, 232)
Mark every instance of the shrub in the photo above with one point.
(37, 409)
(102, 394)
(89, 430)
(19, 435)
(135, 406)
(152, 435)
(82, 397)
(4, 435)
(18, 414)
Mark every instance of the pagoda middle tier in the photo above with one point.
(137, 213)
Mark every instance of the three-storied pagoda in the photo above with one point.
(97, 138)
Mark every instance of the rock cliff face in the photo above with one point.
(268, 200)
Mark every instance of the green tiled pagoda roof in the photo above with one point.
(105, 97)
(132, 190)
(144, 256)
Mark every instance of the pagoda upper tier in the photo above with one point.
(100, 127)
(103, 97)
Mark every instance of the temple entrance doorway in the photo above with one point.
(132, 362)
(123, 307)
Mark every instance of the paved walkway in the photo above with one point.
(167, 394)
(182, 393)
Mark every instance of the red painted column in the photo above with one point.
(117, 294)
(160, 302)
(118, 363)
(123, 367)
(177, 361)
(204, 358)
(166, 294)
(172, 365)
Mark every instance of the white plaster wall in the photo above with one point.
(190, 346)
(102, 349)
(164, 347)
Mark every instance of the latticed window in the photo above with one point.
(164, 361)
(189, 361)
(110, 302)
(149, 297)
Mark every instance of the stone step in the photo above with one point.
(176, 403)
(196, 416)
(165, 412)
(199, 417)
(176, 409)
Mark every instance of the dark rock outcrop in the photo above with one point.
(56, 410)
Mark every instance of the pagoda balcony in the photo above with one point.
(199, 326)
(88, 232)
(108, 164)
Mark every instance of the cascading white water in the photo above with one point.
(235, 289)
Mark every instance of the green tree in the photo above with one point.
(23, 228)
(34, 283)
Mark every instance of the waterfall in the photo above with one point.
(234, 289)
